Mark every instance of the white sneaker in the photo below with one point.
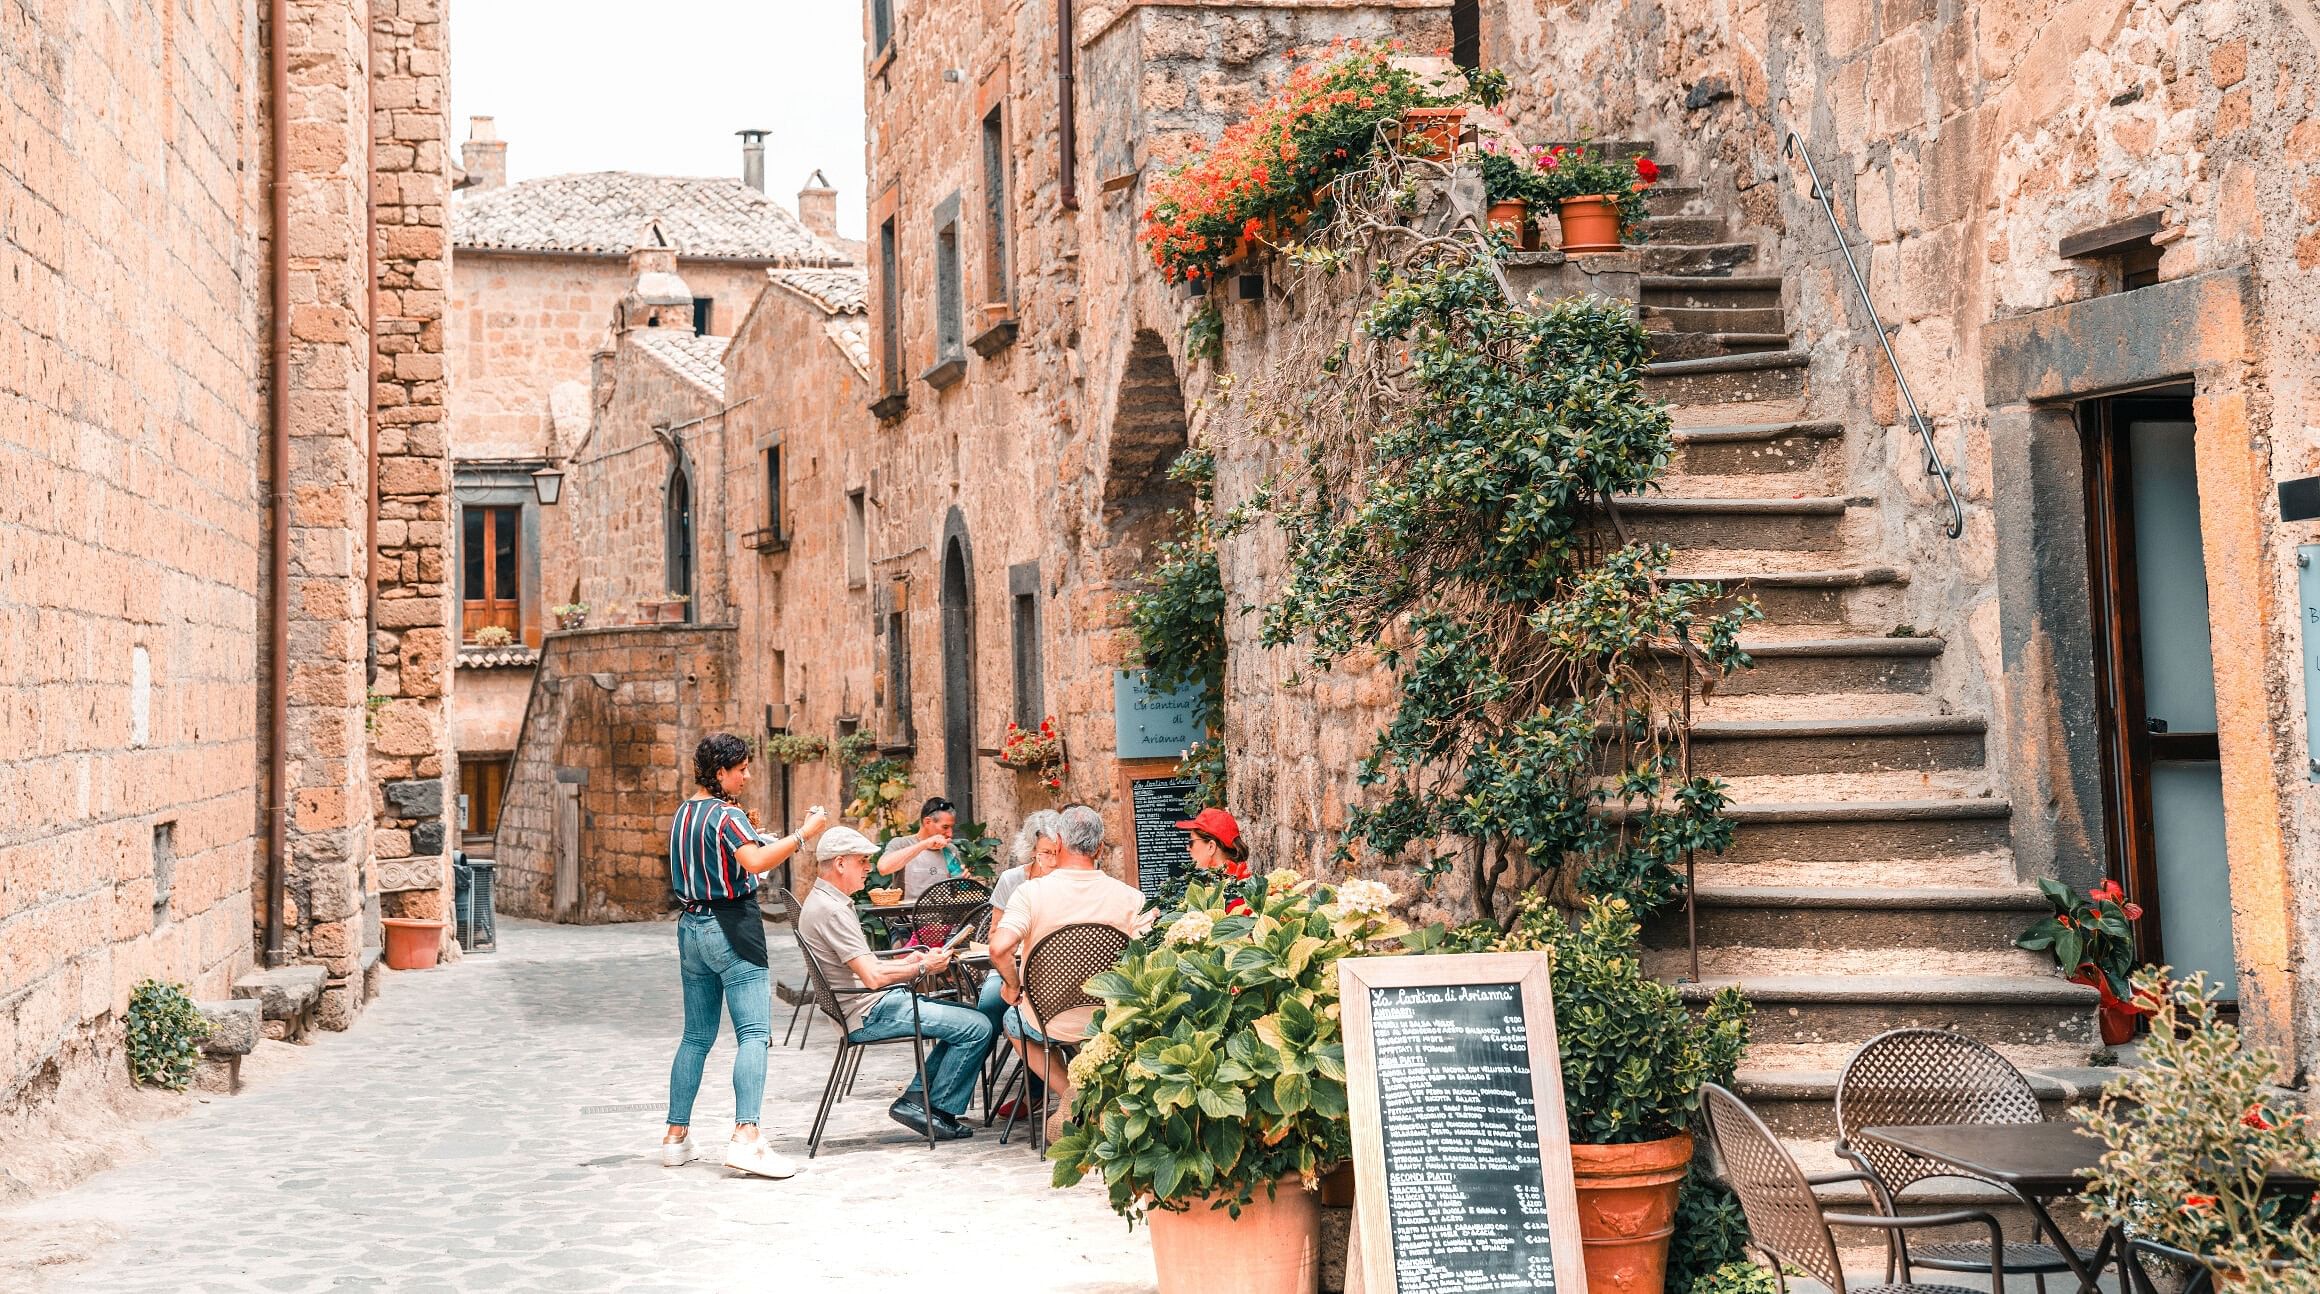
(676, 1154)
(757, 1157)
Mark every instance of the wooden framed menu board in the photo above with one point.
(1456, 1088)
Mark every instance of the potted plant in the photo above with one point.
(879, 788)
(2193, 1130)
(1035, 750)
(996, 313)
(670, 610)
(978, 852)
(492, 636)
(2094, 945)
(1210, 1095)
(796, 748)
(1431, 130)
(1599, 198)
(571, 615)
(1511, 185)
(1633, 1062)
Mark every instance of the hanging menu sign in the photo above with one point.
(1162, 852)
(1457, 1109)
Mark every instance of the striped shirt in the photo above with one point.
(702, 840)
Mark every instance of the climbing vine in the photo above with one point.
(1455, 516)
(1177, 619)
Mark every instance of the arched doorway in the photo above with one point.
(958, 666)
(678, 525)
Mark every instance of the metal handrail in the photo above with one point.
(1793, 146)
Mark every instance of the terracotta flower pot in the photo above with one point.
(412, 943)
(1431, 132)
(996, 313)
(671, 612)
(1273, 1247)
(1512, 215)
(1337, 1187)
(1627, 1211)
(1591, 224)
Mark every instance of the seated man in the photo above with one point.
(1073, 894)
(925, 856)
(961, 1034)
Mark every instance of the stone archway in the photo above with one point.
(1148, 432)
(956, 596)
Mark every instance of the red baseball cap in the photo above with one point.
(1216, 824)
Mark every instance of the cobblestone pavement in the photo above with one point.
(493, 1126)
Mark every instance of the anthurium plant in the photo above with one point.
(2089, 935)
(1584, 171)
(1260, 176)
(1216, 1065)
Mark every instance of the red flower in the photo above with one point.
(1647, 170)
(2134, 912)
(1237, 871)
(2254, 1118)
(1236, 907)
(2196, 1203)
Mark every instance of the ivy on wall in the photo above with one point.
(1177, 619)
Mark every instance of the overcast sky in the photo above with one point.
(617, 85)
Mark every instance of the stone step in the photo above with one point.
(1736, 319)
(1916, 743)
(1727, 379)
(1863, 596)
(1865, 831)
(1751, 449)
(1699, 526)
(1689, 228)
(1980, 920)
(1665, 199)
(1696, 258)
(1801, 1103)
(1699, 345)
(1800, 1016)
(1712, 291)
(1792, 667)
(283, 992)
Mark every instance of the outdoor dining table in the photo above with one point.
(2034, 1162)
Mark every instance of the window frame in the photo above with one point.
(500, 484)
(857, 538)
(1023, 616)
(998, 191)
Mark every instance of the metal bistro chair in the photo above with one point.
(1055, 976)
(796, 995)
(848, 1060)
(945, 907)
(1786, 1220)
(1906, 1077)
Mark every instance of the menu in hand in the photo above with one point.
(1456, 1090)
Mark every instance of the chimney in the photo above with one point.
(818, 206)
(753, 158)
(657, 297)
(484, 155)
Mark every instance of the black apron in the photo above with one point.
(744, 929)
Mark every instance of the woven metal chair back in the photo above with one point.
(1783, 1216)
(791, 909)
(1919, 1076)
(818, 984)
(944, 906)
(1056, 973)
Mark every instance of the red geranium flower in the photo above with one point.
(1646, 170)
(2254, 1118)
(2197, 1203)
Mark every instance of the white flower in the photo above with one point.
(1365, 898)
(1191, 928)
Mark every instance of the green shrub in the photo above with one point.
(1709, 1254)
(796, 748)
(164, 1035)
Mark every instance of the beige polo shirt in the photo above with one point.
(1070, 896)
(831, 928)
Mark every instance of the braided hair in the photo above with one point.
(717, 752)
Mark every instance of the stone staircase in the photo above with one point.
(1872, 885)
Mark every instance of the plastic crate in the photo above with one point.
(483, 936)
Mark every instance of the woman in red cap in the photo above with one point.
(1216, 843)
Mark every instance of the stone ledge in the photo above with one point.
(233, 1027)
(285, 992)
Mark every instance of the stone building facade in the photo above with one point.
(152, 308)
(542, 266)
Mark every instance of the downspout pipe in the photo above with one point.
(371, 375)
(1066, 124)
(278, 430)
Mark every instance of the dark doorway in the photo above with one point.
(958, 674)
(2155, 681)
(680, 536)
(1466, 33)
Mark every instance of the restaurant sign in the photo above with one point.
(1154, 725)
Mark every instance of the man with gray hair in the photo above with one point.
(1075, 893)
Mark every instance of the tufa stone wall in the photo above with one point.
(610, 729)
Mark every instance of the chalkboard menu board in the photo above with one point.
(1458, 1111)
(1162, 852)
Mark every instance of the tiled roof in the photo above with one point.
(838, 290)
(599, 213)
(851, 335)
(699, 360)
(472, 657)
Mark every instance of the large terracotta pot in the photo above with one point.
(1590, 224)
(1274, 1247)
(412, 944)
(1431, 132)
(1627, 1211)
(1512, 215)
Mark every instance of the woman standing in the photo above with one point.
(715, 858)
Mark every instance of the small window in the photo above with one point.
(1030, 704)
(898, 677)
(773, 489)
(950, 321)
(489, 540)
(857, 540)
(702, 308)
(881, 26)
(996, 287)
(889, 308)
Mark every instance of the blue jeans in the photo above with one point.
(713, 972)
(995, 1006)
(961, 1037)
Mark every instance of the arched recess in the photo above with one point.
(957, 599)
(677, 530)
(1148, 432)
